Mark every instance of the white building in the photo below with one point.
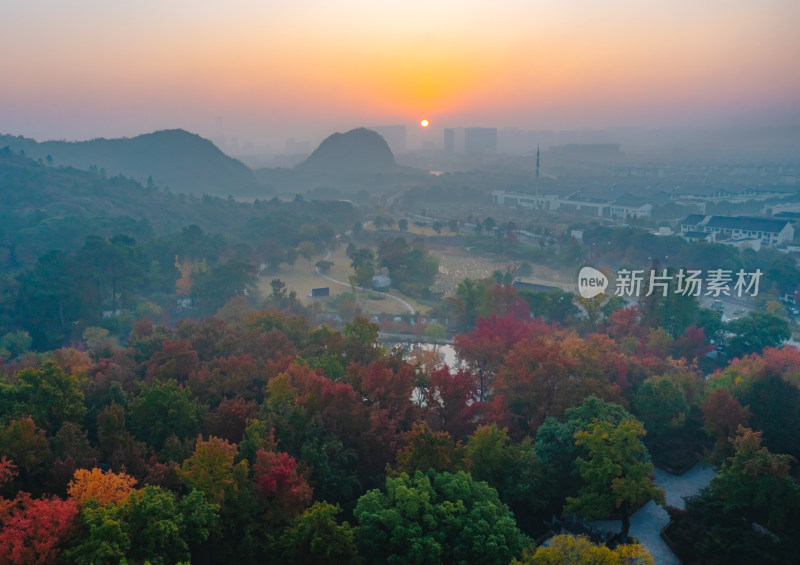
(626, 206)
(770, 232)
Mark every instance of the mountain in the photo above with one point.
(358, 151)
(182, 161)
(43, 208)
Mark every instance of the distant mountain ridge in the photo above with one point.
(358, 151)
(180, 160)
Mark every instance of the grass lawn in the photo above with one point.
(302, 278)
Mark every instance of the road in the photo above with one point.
(408, 306)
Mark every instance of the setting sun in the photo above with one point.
(423, 123)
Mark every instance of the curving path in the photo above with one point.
(647, 522)
(347, 284)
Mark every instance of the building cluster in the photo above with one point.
(623, 207)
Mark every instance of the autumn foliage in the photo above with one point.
(105, 488)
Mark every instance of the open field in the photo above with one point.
(455, 265)
(302, 278)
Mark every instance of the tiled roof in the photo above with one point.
(746, 224)
(693, 220)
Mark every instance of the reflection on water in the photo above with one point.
(446, 352)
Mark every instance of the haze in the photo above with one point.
(267, 71)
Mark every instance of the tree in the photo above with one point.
(14, 344)
(566, 549)
(280, 485)
(290, 256)
(402, 224)
(774, 406)
(307, 250)
(360, 256)
(162, 410)
(361, 343)
(723, 415)
(617, 472)
(748, 513)
(426, 449)
(513, 469)
(224, 281)
(150, 525)
(661, 405)
(554, 306)
(555, 442)
(484, 347)
(756, 484)
(33, 531)
(316, 538)
(49, 394)
(229, 420)
(104, 488)
(211, 470)
(25, 444)
(450, 401)
(436, 518)
(755, 331)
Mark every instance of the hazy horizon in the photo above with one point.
(267, 71)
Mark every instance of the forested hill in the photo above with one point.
(346, 164)
(44, 208)
(357, 151)
(177, 159)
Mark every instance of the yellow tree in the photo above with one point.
(618, 472)
(566, 549)
(105, 488)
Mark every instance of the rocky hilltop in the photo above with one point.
(356, 152)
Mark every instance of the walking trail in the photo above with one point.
(647, 522)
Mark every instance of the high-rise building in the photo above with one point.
(480, 140)
(449, 140)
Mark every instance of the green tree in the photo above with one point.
(755, 331)
(514, 470)
(617, 472)
(661, 405)
(50, 395)
(14, 344)
(307, 250)
(756, 484)
(25, 444)
(436, 518)
(361, 343)
(316, 538)
(223, 281)
(164, 409)
(748, 514)
(555, 442)
(427, 449)
(151, 525)
(554, 306)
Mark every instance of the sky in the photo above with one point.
(265, 71)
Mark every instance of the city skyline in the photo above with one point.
(268, 71)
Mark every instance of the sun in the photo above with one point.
(423, 122)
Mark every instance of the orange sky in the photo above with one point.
(267, 71)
